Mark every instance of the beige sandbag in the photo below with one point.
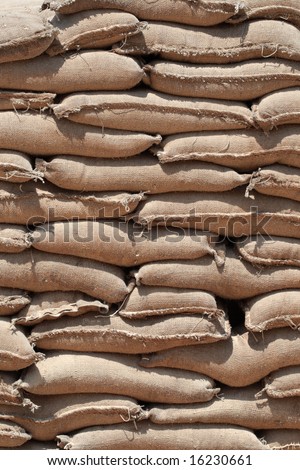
(114, 334)
(12, 301)
(122, 243)
(140, 173)
(289, 10)
(65, 413)
(283, 383)
(278, 108)
(25, 101)
(41, 134)
(24, 35)
(15, 350)
(271, 251)
(239, 361)
(146, 301)
(182, 11)
(13, 238)
(92, 30)
(236, 279)
(53, 305)
(273, 310)
(276, 180)
(281, 439)
(41, 272)
(8, 393)
(245, 81)
(40, 203)
(16, 167)
(242, 150)
(229, 213)
(146, 111)
(216, 45)
(64, 373)
(12, 435)
(85, 70)
(236, 406)
(150, 436)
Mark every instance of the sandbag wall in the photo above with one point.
(149, 229)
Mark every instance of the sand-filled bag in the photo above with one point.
(270, 251)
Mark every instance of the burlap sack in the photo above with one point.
(281, 439)
(25, 101)
(283, 383)
(241, 407)
(278, 108)
(216, 45)
(13, 238)
(40, 203)
(92, 30)
(114, 334)
(12, 301)
(140, 173)
(24, 35)
(86, 70)
(152, 437)
(236, 279)
(67, 413)
(8, 393)
(276, 180)
(64, 373)
(288, 10)
(15, 350)
(243, 150)
(53, 305)
(229, 213)
(12, 435)
(146, 301)
(122, 243)
(273, 251)
(274, 310)
(16, 167)
(151, 112)
(182, 11)
(40, 134)
(225, 361)
(244, 81)
(41, 272)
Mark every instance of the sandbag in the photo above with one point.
(242, 150)
(273, 310)
(272, 251)
(122, 243)
(40, 203)
(13, 238)
(236, 279)
(114, 334)
(8, 393)
(12, 435)
(12, 301)
(24, 35)
(64, 373)
(92, 30)
(216, 45)
(283, 383)
(53, 305)
(25, 101)
(276, 180)
(245, 81)
(237, 406)
(277, 108)
(65, 413)
(146, 301)
(41, 134)
(288, 10)
(222, 361)
(140, 173)
(41, 272)
(16, 167)
(15, 350)
(152, 112)
(86, 70)
(200, 14)
(229, 213)
(152, 437)
(281, 439)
